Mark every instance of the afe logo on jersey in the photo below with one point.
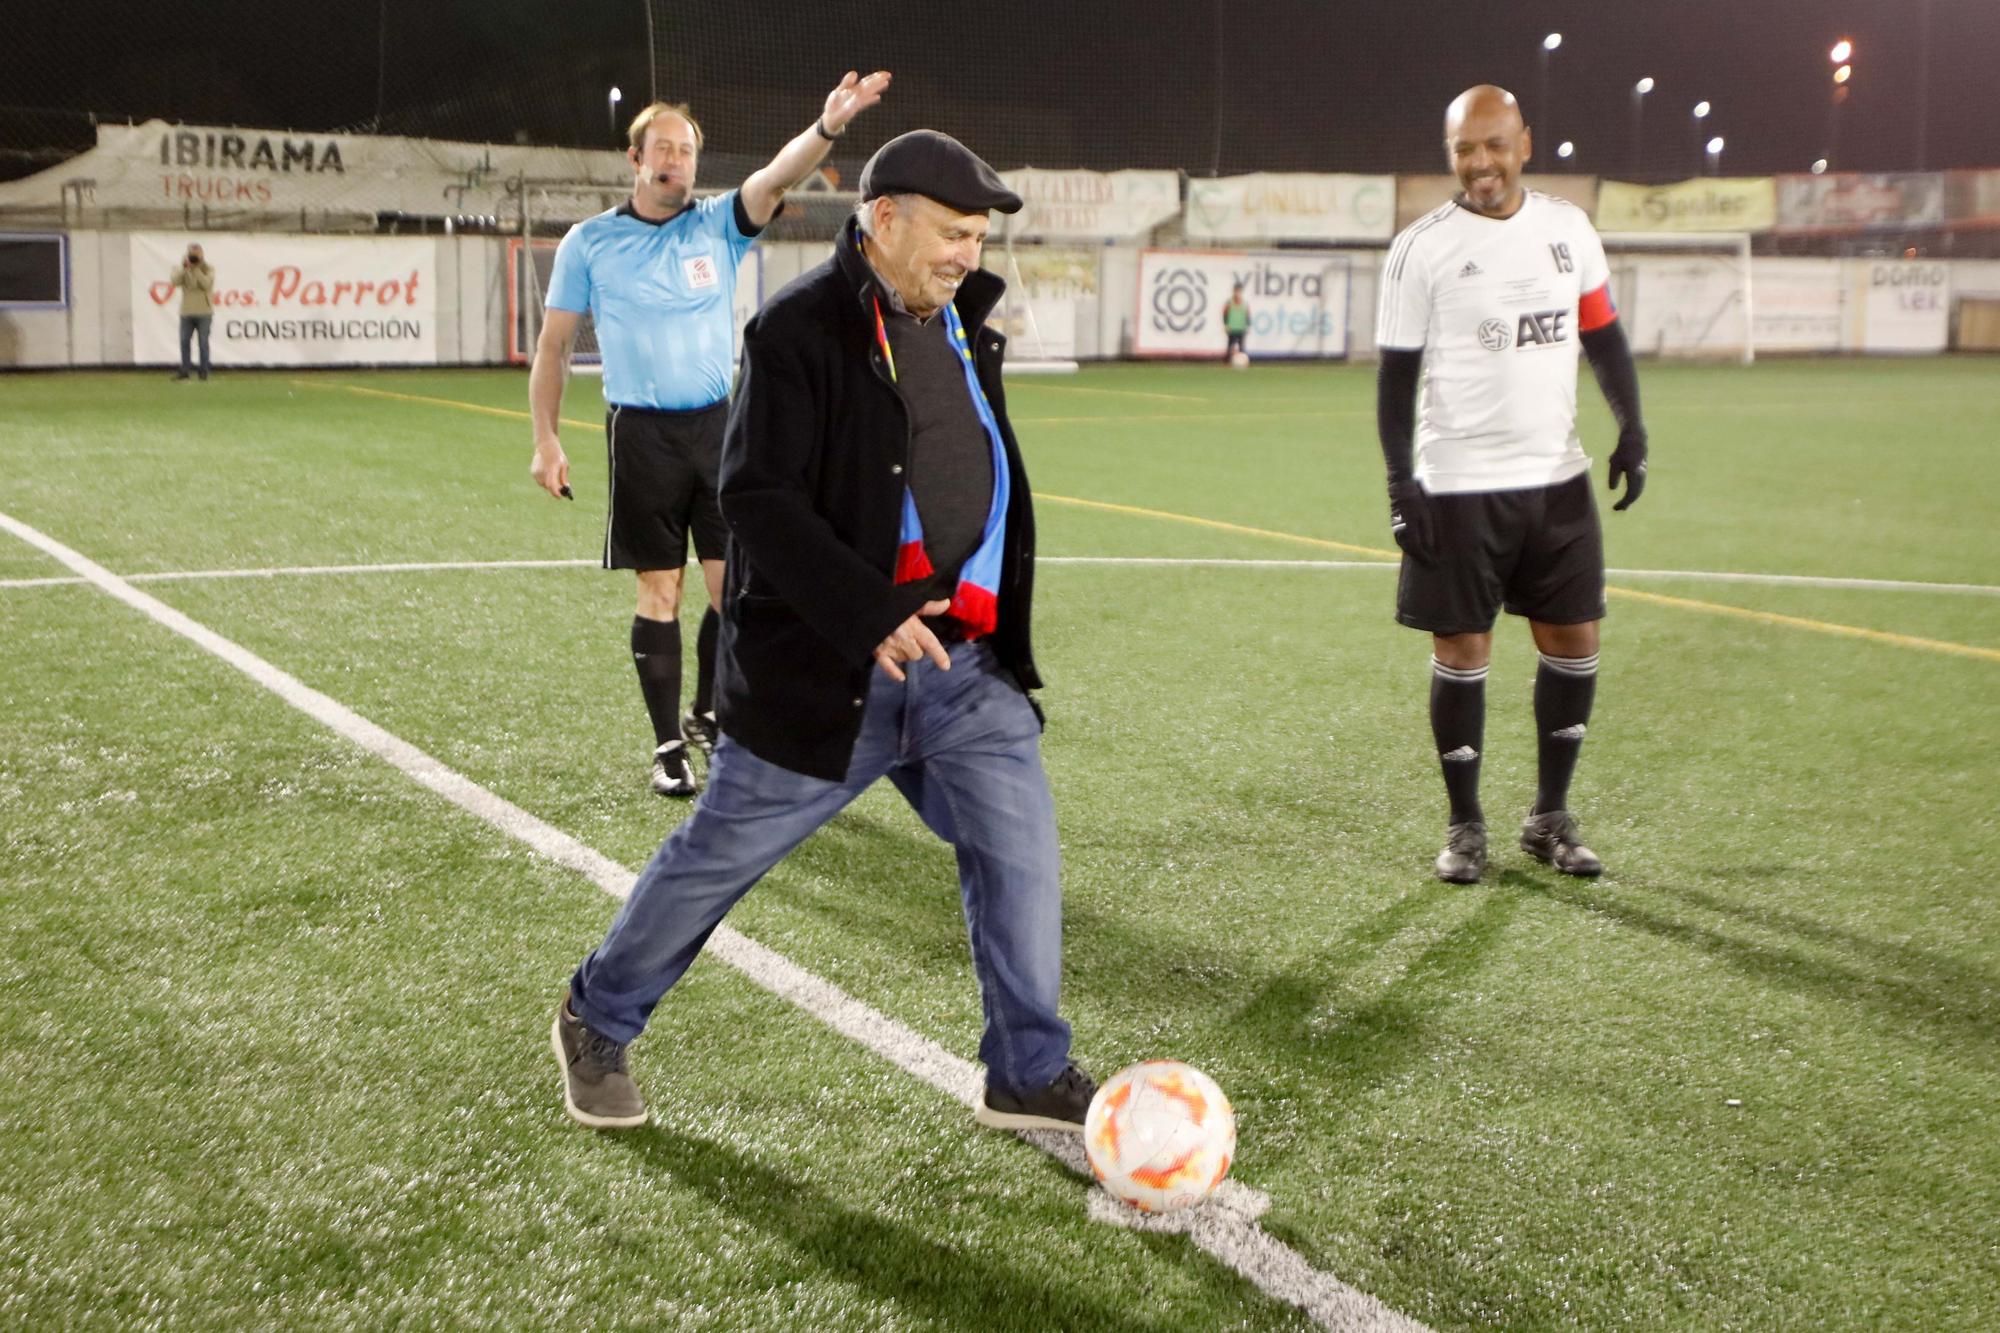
(700, 271)
(1542, 328)
(1493, 335)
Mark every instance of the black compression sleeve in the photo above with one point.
(1396, 409)
(1611, 361)
(744, 227)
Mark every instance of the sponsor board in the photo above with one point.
(1860, 201)
(1905, 305)
(1088, 205)
(1292, 206)
(1720, 203)
(1298, 303)
(292, 300)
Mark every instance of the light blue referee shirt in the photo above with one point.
(663, 298)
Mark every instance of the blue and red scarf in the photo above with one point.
(975, 603)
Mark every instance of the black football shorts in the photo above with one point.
(664, 470)
(1539, 552)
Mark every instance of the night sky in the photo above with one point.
(1256, 85)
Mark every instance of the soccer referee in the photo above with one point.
(1490, 297)
(658, 276)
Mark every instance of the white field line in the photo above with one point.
(422, 566)
(1227, 1230)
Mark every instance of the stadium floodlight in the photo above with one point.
(1715, 156)
(1843, 74)
(1843, 51)
(1701, 110)
(1552, 41)
(1643, 86)
(1819, 166)
(1545, 103)
(1565, 150)
(612, 102)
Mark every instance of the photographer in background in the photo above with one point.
(197, 283)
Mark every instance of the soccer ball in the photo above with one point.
(1239, 359)
(1159, 1135)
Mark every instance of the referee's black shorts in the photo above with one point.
(664, 471)
(1539, 552)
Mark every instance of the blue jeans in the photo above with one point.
(191, 325)
(964, 748)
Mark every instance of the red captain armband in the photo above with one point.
(1595, 309)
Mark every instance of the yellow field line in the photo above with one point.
(1321, 542)
(1658, 599)
(1817, 626)
(513, 413)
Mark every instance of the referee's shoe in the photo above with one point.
(671, 774)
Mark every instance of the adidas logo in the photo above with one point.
(1471, 270)
(1463, 754)
(1574, 733)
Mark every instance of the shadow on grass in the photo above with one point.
(928, 1278)
(1385, 1030)
(1929, 990)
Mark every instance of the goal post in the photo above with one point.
(1684, 296)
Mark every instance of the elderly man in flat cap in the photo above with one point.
(875, 624)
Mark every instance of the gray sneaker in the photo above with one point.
(597, 1090)
(1553, 838)
(1463, 859)
(671, 774)
(1061, 1105)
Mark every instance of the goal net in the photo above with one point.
(1684, 297)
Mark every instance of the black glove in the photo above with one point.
(1411, 520)
(1628, 460)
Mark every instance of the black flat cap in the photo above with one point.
(932, 163)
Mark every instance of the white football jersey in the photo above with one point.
(1496, 305)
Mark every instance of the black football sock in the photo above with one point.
(1564, 689)
(704, 661)
(656, 652)
(1458, 722)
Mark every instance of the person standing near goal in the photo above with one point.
(1488, 298)
(658, 276)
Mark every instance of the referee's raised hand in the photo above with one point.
(854, 96)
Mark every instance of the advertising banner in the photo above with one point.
(1088, 205)
(1905, 305)
(292, 300)
(1418, 195)
(1292, 206)
(1972, 197)
(217, 171)
(1720, 203)
(1857, 201)
(1801, 304)
(1297, 299)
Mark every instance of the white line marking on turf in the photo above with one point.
(1228, 1233)
(1218, 562)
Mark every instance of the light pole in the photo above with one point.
(1842, 56)
(1715, 156)
(1545, 112)
(1701, 110)
(1639, 91)
(612, 103)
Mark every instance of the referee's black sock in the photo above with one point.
(656, 652)
(704, 661)
(1564, 689)
(1458, 722)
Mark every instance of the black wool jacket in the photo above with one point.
(813, 470)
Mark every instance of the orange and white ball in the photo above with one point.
(1159, 1135)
